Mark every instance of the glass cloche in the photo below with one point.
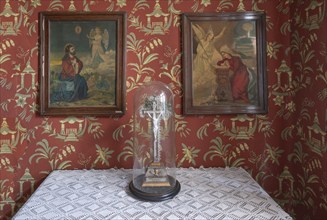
(154, 144)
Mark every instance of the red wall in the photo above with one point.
(291, 137)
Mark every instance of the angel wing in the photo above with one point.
(218, 36)
(91, 36)
(105, 38)
(199, 32)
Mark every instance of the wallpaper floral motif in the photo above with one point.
(284, 150)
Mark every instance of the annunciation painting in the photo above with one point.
(224, 64)
(82, 58)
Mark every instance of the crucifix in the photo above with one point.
(154, 143)
(155, 108)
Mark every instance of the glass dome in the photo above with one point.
(154, 144)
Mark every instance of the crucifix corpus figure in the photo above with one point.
(156, 110)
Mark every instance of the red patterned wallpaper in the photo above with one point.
(284, 150)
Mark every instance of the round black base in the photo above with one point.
(159, 195)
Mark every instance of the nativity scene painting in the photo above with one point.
(82, 63)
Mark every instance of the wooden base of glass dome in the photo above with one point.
(154, 194)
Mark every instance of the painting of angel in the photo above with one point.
(205, 59)
(85, 62)
(224, 61)
(99, 43)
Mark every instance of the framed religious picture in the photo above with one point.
(224, 63)
(82, 63)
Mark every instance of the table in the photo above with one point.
(206, 193)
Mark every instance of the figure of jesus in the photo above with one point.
(154, 108)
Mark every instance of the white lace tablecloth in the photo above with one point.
(208, 193)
